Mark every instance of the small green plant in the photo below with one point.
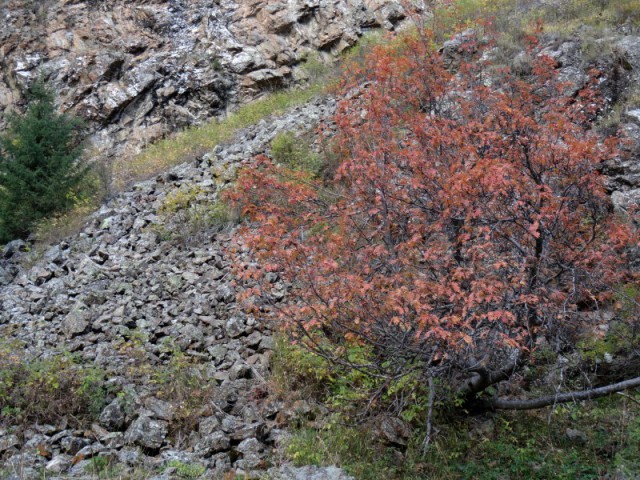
(626, 460)
(43, 390)
(98, 465)
(295, 153)
(186, 384)
(294, 369)
(187, 471)
(216, 65)
(194, 211)
(369, 40)
(353, 447)
(316, 69)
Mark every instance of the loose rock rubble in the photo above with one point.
(120, 279)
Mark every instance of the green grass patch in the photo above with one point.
(563, 16)
(188, 212)
(296, 153)
(504, 446)
(516, 20)
(187, 471)
(353, 448)
(197, 140)
(514, 445)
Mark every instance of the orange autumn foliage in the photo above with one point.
(466, 225)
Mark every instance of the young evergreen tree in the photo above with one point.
(40, 170)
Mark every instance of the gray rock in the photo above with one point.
(8, 441)
(240, 370)
(146, 432)
(628, 49)
(25, 465)
(288, 472)
(218, 352)
(632, 115)
(91, 450)
(392, 430)
(225, 294)
(159, 408)
(40, 275)
(242, 62)
(59, 464)
(14, 247)
(576, 436)
(113, 416)
(208, 426)
(235, 327)
(72, 445)
(75, 323)
(7, 274)
(458, 48)
(129, 456)
(250, 446)
(267, 343)
(214, 443)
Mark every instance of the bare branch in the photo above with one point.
(507, 404)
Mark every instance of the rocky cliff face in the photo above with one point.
(137, 70)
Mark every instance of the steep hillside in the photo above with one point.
(146, 296)
(141, 346)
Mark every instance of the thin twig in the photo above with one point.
(626, 395)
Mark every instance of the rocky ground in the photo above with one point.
(138, 286)
(135, 71)
(150, 279)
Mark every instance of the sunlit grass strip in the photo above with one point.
(197, 140)
(521, 17)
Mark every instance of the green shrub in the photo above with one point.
(195, 213)
(187, 471)
(316, 69)
(513, 445)
(187, 385)
(40, 171)
(295, 153)
(45, 390)
(295, 370)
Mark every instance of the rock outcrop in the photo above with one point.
(137, 70)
